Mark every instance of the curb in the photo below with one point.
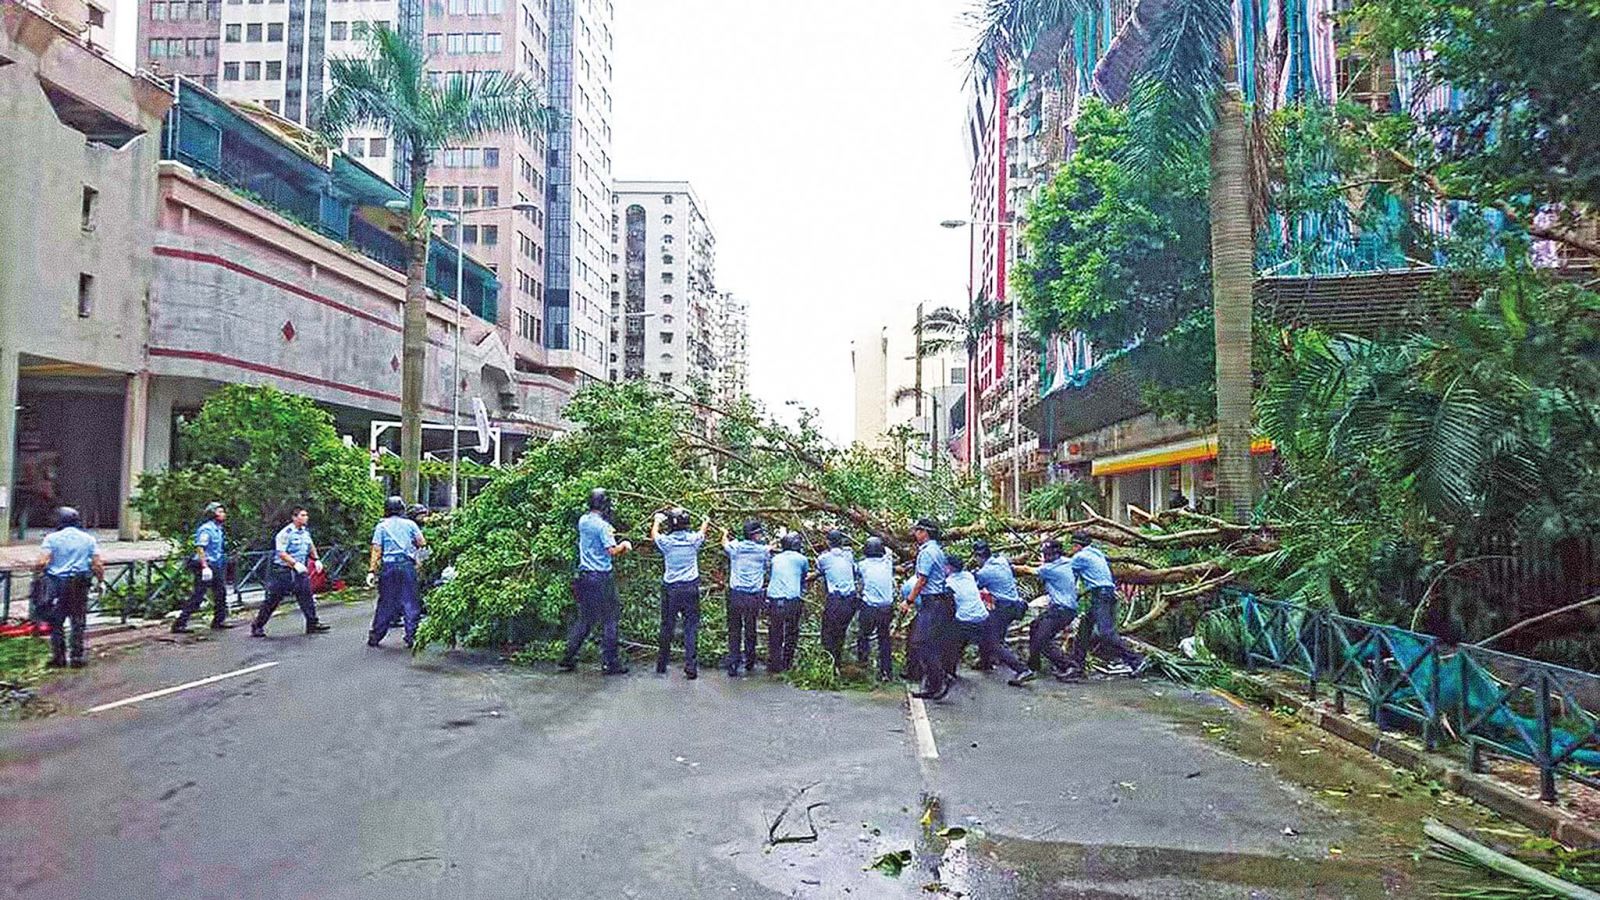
(1551, 821)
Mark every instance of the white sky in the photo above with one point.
(825, 138)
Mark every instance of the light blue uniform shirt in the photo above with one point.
(969, 603)
(71, 551)
(595, 537)
(396, 539)
(877, 581)
(932, 565)
(788, 575)
(996, 577)
(1091, 565)
(838, 567)
(680, 554)
(1056, 576)
(747, 565)
(905, 589)
(208, 537)
(293, 540)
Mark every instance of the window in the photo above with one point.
(666, 299)
(252, 71)
(273, 105)
(174, 47)
(666, 259)
(667, 199)
(158, 12)
(491, 195)
(90, 196)
(666, 220)
(666, 377)
(474, 7)
(209, 82)
(456, 43)
(211, 47)
(213, 10)
(378, 147)
(448, 232)
(493, 7)
(158, 48)
(252, 32)
(231, 34)
(197, 9)
(192, 47)
(452, 197)
(458, 7)
(491, 157)
(177, 12)
(230, 71)
(666, 277)
(360, 29)
(85, 295)
(666, 239)
(492, 42)
(666, 337)
(274, 70)
(469, 234)
(337, 31)
(430, 195)
(469, 197)
(274, 31)
(355, 146)
(435, 43)
(490, 235)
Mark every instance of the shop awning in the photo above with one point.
(1173, 453)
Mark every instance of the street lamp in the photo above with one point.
(1008, 236)
(450, 215)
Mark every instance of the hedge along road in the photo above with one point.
(347, 772)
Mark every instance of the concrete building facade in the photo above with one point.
(667, 315)
(733, 351)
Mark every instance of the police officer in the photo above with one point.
(1099, 626)
(790, 572)
(68, 556)
(392, 566)
(996, 578)
(1055, 573)
(838, 567)
(876, 569)
(294, 556)
(680, 586)
(210, 572)
(748, 560)
(596, 587)
(972, 623)
(931, 631)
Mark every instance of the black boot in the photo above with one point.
(315, 627)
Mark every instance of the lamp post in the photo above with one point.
(455, 216)
(1007, 238)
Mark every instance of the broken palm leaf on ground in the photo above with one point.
(1509, 878)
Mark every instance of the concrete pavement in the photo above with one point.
(347, 772)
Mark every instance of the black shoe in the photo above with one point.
(661, 668)
(1140, 668)
(691, 673)
(57, 664)
(940, 695)
(257, 631)
(410, 642)
(1022, 678)
(221, 626)
(317, 628)
(615, 670)
(78, 663)
(182, 629)
(1073, 674)
(566, 665)
(733, 672)
(983, 667)
(374, 641)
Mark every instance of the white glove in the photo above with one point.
(205, 573)
(372, 578)
(300, 568)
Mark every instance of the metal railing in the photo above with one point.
(1490, 701)
(148, 588)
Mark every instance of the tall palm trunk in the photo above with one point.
(1232, 252)
(414, 335)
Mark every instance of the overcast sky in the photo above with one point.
(825, 138)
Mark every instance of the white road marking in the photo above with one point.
(182, 687)
(923, 728)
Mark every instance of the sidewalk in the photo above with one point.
(21, 557)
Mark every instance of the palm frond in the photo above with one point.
(1173, 103)
(1015, 30)
(909, 392)
(494, 102)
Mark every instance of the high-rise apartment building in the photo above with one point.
(182, 37)
(666, 312)
(733, 353)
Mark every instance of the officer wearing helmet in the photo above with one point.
(748, 561)
(392, 565)
(210, 568)
(68, 556)
(680, 585)
(785, 590)
(876, 570)
(595, 586)
(838, 567)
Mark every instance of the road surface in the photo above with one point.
(333, 770)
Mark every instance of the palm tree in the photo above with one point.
(389, 89)
(948, 328)
(1185, 90)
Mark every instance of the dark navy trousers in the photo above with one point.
(933, 639)
(783, 632)
(217, 587)
(1043, 637)
(597, 605)
(1005, 613)
(874, 624)
(680, 600)
(66, 600)
(398, 595)
(836, 615)
(1099, 629)
(744, 607)
(983, 634)
(282, 582)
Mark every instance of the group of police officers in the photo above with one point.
(954, 603)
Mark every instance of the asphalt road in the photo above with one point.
(348, 772)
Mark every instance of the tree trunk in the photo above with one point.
(1232, 252)
(414, 335)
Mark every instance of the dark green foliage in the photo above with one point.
(261, 452)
